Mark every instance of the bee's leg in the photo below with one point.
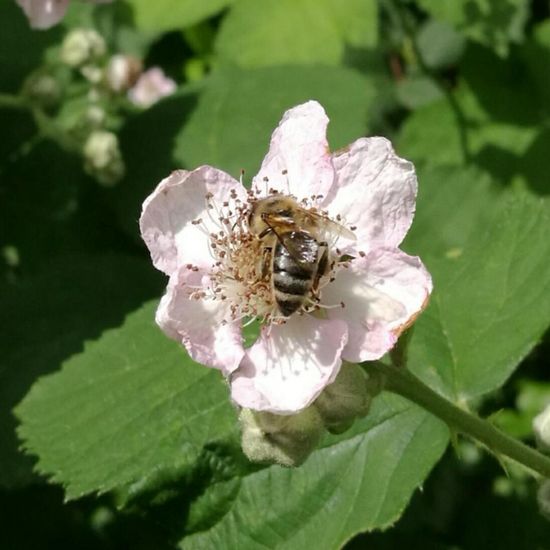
(322, 268)
(266, 261)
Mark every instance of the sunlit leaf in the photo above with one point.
(280, 32)
(238, 110)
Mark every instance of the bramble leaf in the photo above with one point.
(132, 404)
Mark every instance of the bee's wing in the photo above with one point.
(330, 227)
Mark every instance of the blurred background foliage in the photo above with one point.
(462, 88)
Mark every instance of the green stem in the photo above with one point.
(406, 384)
(8, 101)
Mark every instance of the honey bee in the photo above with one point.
(295, 248)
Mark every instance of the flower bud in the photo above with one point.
(541, 427)
(345, 399)
(122, 72)
(95, 116)
(103, 159)
(43, 89)
(92, 73)
(151, 86)
(277, 439)
(82, 46)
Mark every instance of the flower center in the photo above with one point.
(243, 261)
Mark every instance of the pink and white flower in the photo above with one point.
(151, 86)
(195, 226)
(43, 14)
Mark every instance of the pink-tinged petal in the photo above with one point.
(375, 191)
(289, 365)
(167, 216)
(150, 87)
(43, 14)
(383, 293)
(298, 162)
(199, 324)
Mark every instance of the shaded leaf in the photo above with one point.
(439, 44)
(496, 23)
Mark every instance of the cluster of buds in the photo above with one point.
(93, 123)
(289, 439)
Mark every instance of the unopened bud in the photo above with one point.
(122, 72)
(103, 159)
(277, 439)
(42, 88)
(347, 398)
(92, 73)
(151, 86)
(82, 46)
(95, 116)
(541, 427)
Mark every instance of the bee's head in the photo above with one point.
(273, 207)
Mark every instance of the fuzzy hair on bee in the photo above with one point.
(296, 249)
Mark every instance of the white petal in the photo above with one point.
(298, 147)
(198, 325)
(382, 294)
(375, 191)
(43, 14)
(168, 212)
(289, 366)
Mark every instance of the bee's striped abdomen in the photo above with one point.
(294, 269)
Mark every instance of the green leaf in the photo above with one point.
(443, 134)
(273, 32)
(491, 304)
(496, 23)
(130, 405)
(417, 91)
(166, 15)
(452, 204)
(47, 317)
(232, 124)
(439, 44)
(359, 481)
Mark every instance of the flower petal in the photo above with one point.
(168, 212)
(382, 294)
(299, 148)
(288, 367)
(375, 191)
(198, 324)
(43, 14)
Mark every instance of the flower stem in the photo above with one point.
(8, 101)
(406, 384)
